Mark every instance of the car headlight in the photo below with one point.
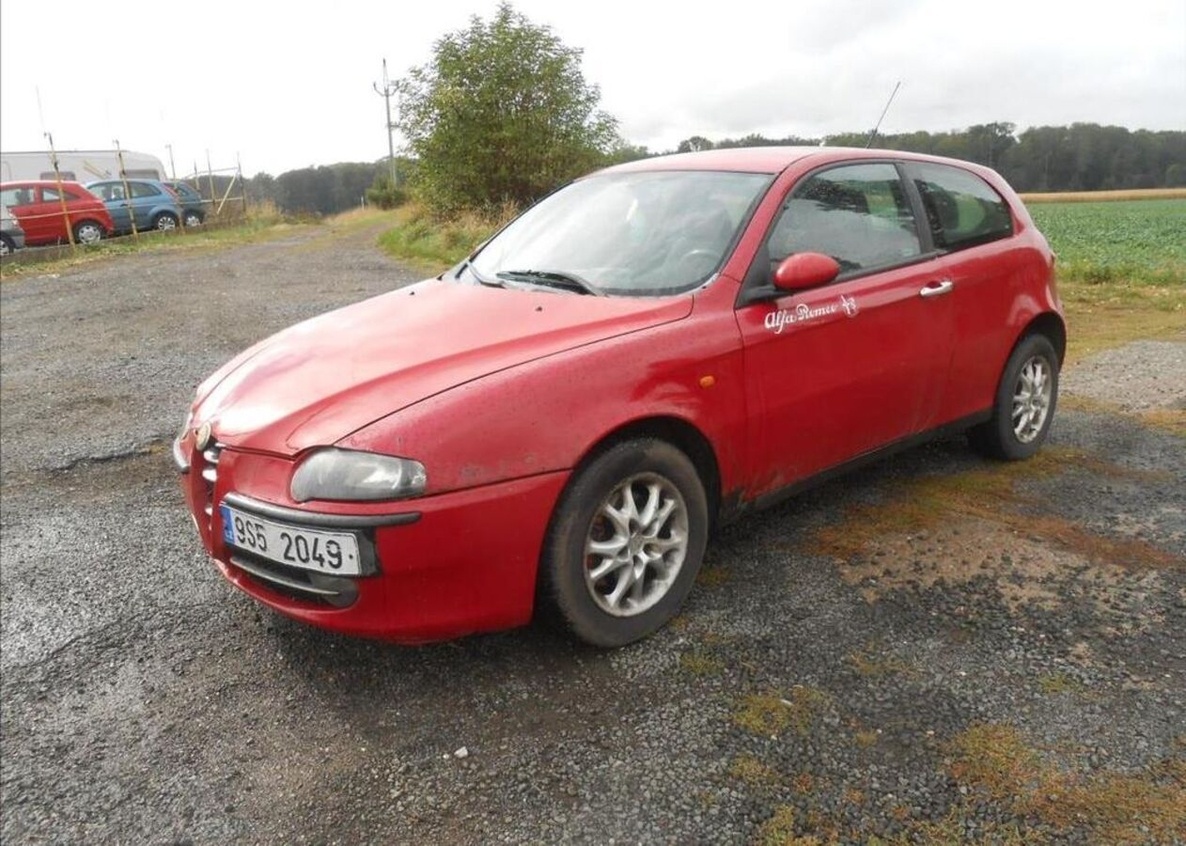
(349, 475)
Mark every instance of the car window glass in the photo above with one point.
(49, 195)
(108, 191)
(857, 214)
(143, 189)
(14, 197)
(962, 209)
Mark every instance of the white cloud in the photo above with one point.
(285, 88)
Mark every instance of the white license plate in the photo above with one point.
(335, 553)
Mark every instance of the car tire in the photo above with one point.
(88, 232)
(164, 221)
(192, 218)
(639, 514)
(7, 246)
(1025, 402)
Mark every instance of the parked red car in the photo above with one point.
(37, 204)
(557, 423)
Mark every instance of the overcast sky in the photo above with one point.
(288, 85)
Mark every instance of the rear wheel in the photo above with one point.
(88, 232)
(625, 543)
(192, 218)
(1025, 402)
(165, 221)
(7, 247)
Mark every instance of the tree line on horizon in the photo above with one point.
(1079, 157)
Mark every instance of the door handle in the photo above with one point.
(934, 289)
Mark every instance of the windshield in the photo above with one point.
(630, 234)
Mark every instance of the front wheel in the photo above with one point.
(1024, 408)
(625, 543)
(193, 218)
(165, 221)
(7, 247)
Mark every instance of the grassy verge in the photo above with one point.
(260, 225)
(433, 244)
(1102, 317)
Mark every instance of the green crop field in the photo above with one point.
(1133, 242)
(1121, 269)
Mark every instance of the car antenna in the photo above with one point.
(873, 134)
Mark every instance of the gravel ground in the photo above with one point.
(936, 648)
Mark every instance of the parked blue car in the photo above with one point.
(154, 205)
(193, 207)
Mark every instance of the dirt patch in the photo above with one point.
(1025, 571)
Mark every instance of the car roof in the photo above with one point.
(125, 179)
(45, 183)
(771, 159)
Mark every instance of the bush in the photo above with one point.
(501, 114)
(384, 194)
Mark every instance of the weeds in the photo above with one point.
(436, 244)
(1116, 808)
(769, 714)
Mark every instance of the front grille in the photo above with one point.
(210, 457)
(335, 591)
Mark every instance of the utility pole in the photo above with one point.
(385, 92)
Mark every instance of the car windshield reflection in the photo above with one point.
(630, 234)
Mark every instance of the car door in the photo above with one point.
(973, 226)
(50, 209)
(839, 370)
(146, 199)
(22, 203)
(112, 195)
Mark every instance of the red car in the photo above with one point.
(556, 424)
(37, 204)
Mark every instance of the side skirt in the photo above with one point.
(734, 507)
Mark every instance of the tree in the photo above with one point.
(502, 113)
(694, 144)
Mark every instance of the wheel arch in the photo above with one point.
(682, 435)
(1052, 326)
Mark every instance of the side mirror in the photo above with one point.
(805, 270)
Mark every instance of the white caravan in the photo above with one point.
(79, 165)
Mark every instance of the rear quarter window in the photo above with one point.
(143, 189)
(962, 209)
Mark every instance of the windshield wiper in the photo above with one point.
(479, 278)
(552, 279)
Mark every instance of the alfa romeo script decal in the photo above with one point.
(804, 313)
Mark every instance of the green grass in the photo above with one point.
(260, 226)
(435, 245)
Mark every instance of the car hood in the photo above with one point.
(319, 381)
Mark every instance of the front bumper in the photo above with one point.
(446, 565)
